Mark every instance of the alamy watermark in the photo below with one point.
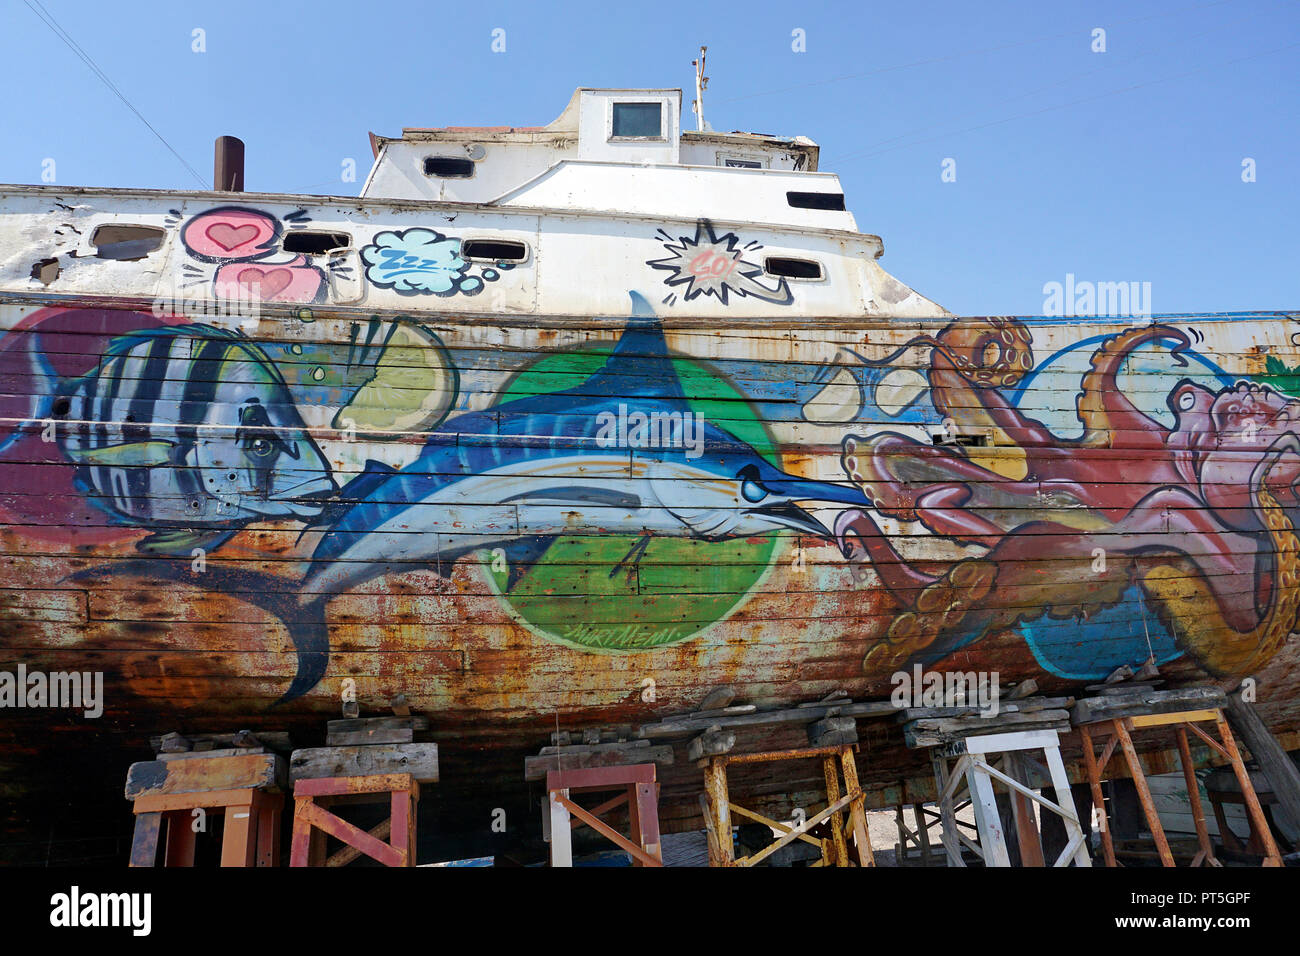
(651, 430)
(69, 690)
(1084, 298)
(921, 688)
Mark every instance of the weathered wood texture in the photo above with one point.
(1055, 552)
(418, 760)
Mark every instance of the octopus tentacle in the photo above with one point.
(1192, 612)
(1102, 407)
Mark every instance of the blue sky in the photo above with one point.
(1117, 166)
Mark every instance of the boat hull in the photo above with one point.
(490, 530)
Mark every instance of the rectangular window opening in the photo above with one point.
(448, 167)
(126, 243)
(493, 250)
(792, 268)
(638, 121)
(832, 201)
(316, 243)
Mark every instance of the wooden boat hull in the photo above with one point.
(1033, 497)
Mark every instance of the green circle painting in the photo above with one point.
(627, 593)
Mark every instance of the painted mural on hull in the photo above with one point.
(617, 497)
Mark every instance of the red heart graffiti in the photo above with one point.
(230, 237)
(271, 282)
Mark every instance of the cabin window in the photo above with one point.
(448, 167)
(638, 121)
(832, 201)
(493, 250)
(126, 243)
(316, 243)
(792, 268)
(734, 159)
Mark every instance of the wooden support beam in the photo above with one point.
(238, 847)
(712, 743)
(144, 842)
(1143, 791)
(418, 760)
(1271, 855)
(1206, 854)
(344, 856)
(1022, 809)
(1274, 762)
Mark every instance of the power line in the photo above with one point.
(48, 19)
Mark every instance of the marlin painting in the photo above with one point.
(519, 474)
(516, 476)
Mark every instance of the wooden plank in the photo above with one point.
(1144, 793)
(935, 733)
(993, 844)
(268, 740)
(689, 724)
(321, 819)
(536, 768)
(1259, 824)
(1022, 811)
(344, 856)
(1089, 710)
(561, 830)
(181, 839)
(1206, 854)
(208, 754)
(711, 743)
(167, 802)
(833, 731)
(144, 841)
(1176, 717)
(419, 760)
(374, 730)
(253, 771)
(1273, 760)
(384, 783)
(1026, 706)
(238, 848)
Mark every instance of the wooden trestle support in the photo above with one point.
(1116, 732)
(843, 800)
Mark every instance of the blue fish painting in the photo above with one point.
(188, 431)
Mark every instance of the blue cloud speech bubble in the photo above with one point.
(418, 262)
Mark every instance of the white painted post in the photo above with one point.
(1061, 784)
(561, 831)
(992, 841)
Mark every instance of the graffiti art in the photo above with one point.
(1191, 521)
(614, 496)
(707, 264)
(243, 245)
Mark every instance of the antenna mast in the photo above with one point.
(701, 84)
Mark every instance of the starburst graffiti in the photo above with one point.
(709, 264)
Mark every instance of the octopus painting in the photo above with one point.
(1199, 517)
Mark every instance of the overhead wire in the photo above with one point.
(48, 19)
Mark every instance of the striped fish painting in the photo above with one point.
(189, 431)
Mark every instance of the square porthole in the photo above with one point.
(637, 121)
